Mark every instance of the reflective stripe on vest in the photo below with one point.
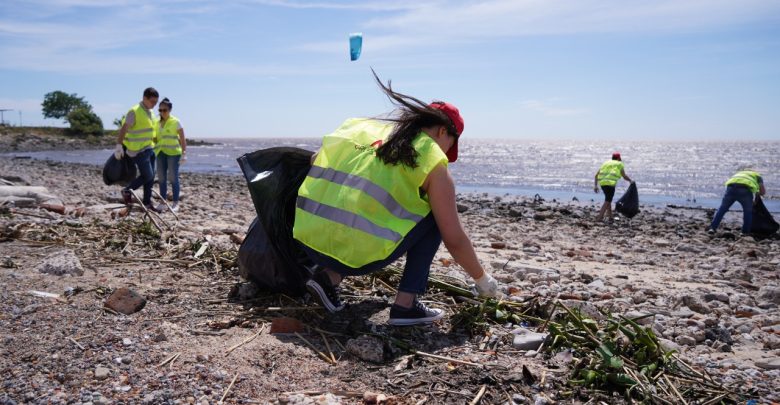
(347, 218)
(168, 137)
(141, 134)
(609, 173)
(365, 185)
(353, 207)
(747, 178)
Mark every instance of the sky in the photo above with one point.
(693, 70)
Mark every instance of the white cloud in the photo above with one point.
(550, 109)
(463, 21)
(44, 35)
(346, 5)
(540, 17)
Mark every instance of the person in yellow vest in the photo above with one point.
(607, 177)
(740, 188)
(136, 139)
(379, 189)
(171, 150)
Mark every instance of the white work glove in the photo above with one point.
(183, 158)
(119, 151)
(487, 286)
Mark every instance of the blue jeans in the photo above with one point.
(145, 163)
(168, 171)
(736, 193)
(420, 245)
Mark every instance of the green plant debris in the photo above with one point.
(147, 229)
(615, 355)
(618, 355)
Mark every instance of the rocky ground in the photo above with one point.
(203, 335)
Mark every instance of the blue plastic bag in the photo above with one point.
(355, 45)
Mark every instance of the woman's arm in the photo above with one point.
(625, 176)
(441, 193)
(182, 140)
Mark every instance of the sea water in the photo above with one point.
(681, 173)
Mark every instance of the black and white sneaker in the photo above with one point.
(320, 287)
(418, 314)
(710, 231)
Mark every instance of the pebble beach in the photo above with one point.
(713, 299)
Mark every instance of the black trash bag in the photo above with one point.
(269, 256)
(628, 204)
(763, 224)
(119, 171)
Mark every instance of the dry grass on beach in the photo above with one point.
(203, 334)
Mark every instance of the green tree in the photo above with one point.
(85, 122)
(59, 104)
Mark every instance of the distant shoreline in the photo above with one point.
(39, 139)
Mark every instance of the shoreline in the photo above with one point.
(553, 194)
(715, 300)
(53, 139)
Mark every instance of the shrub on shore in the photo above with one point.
(84, 122)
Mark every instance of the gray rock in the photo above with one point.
(748, 310)
(587, 308)
(61, 263)
(101, 373)
(772, 342)
(597, 284)
(684, 340)
(367, 348)
(638, 297)
(662, 243)
(695, 304)
(683, 312)
(519, 399)
(527, 340)
(769, 293)
(719, 334)
(540, 400)
(769, 364)
(697, 334)
(716, 296)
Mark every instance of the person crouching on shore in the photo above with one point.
(741, 187)
(607, 177)
(378, 189)
(137, 134)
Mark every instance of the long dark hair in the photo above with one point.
(410, 116)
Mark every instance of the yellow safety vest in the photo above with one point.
(168, 137)
(141, 134)
(609, 174)
(747, 178)
(352, 206)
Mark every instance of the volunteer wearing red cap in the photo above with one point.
(379, 189)
(607, 177)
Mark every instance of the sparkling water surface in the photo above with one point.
(683, 173)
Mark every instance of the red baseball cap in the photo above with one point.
(616, 156)
(457, 123)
